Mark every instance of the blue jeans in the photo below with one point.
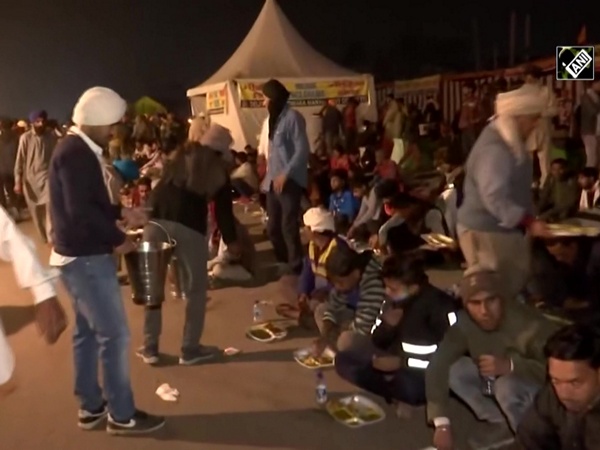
(101, 330)
(512, 395)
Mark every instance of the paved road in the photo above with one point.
(259, 399)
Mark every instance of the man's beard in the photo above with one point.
(39, 130)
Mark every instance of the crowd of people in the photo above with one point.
(497, 341)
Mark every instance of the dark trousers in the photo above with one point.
(283, 225)
(8, 198)
(405, 385)
(242, 188)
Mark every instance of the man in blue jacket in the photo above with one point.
(286, 177)
(85, 238)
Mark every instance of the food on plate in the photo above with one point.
(368, 415)
(311, 361)
(438, 240)
(261, 334)
(341, 412)
(572, 230)
(273, 329)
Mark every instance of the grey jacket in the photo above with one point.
(497, 189)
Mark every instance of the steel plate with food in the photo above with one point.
(266, 332)
(305, 358)
(355, 411)
(570, 230)
(439, 241)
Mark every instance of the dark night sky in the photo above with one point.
(50, 54)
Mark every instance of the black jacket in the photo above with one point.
(427, 317)
(549, 426)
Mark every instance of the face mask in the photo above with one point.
(400, 297)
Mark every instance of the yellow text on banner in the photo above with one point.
(308, 93)
(216, 101)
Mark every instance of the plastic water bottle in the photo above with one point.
(487, 386)
(256, 312)
(321, 390)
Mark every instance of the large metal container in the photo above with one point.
(147, 268)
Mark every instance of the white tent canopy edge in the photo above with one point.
(273, 48)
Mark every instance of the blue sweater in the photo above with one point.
(497, 189)
(343, 204)
(83, 220)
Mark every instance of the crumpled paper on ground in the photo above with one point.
(167, 393)
(231, 351)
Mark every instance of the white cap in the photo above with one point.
(99, 106)
(319, 220)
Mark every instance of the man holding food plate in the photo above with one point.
(497, 215)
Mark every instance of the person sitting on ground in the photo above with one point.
(339, 159)
(354, 161)
(566, 277)
(567, 411)
(313, 285)
(141, 193)
(368, 163)
(153, 168)
(370, 207)
(402, 232)
(590, 188)
(384, 191)
(504, 341)
(412, 160)
(355, 300)
(385, 168)
(559, 194)
(341, 202)
(128, 170)
(391, 363)
(244, 178)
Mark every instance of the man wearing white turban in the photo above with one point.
(539, 141)
(497, 211)
(85, 237)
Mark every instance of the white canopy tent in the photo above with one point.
(274, 49)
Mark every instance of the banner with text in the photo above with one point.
(308, 94)
(216, 101)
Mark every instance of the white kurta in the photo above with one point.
(31, 166)
(18, 249)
